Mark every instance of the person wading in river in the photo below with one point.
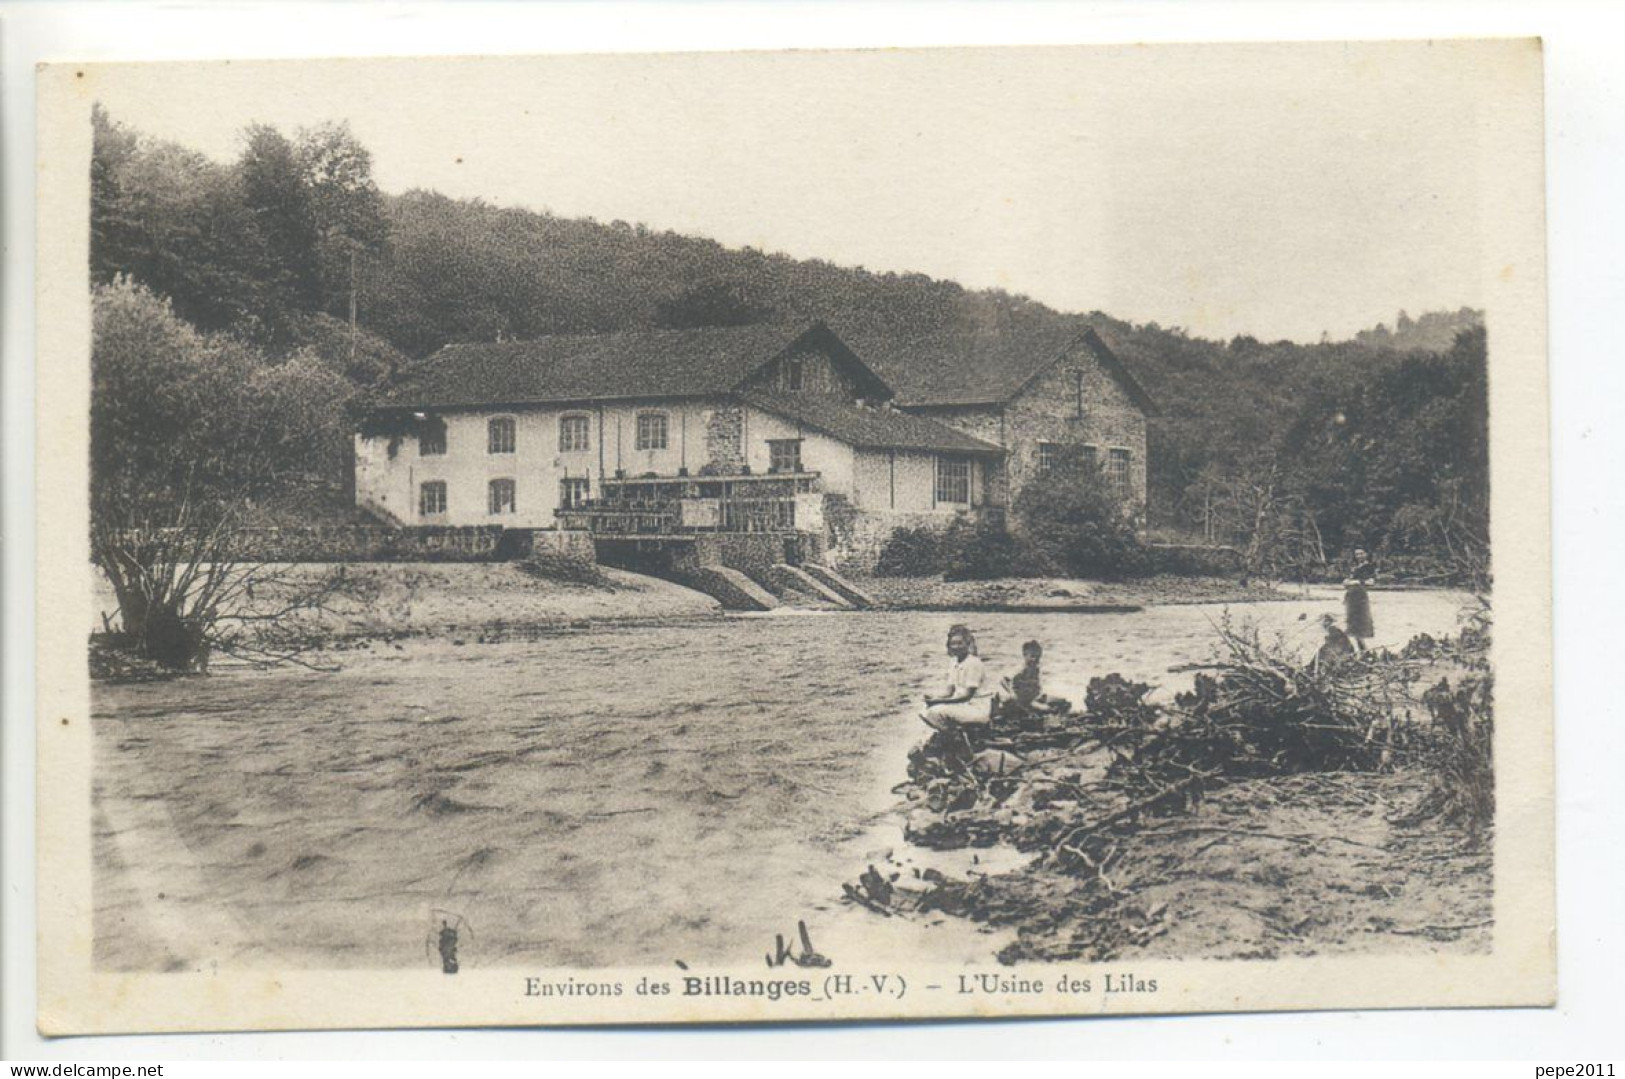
(1357, 600)
(963, 700)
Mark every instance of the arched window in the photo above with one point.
(500, 435)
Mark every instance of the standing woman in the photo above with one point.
(1356, 598)
(963, 699)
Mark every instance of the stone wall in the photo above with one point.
(1047, 410)
(862, 542)
(369, 543)
(725, 440)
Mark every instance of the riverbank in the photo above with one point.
(1304, 865)
(472, 600)
(1278, 808)
(1041, 594)
(611, 795)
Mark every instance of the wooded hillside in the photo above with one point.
(271, 250)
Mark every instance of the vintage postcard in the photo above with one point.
(793, 536)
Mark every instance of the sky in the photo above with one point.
(1277, 191)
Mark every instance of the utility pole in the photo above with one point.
(352, 309)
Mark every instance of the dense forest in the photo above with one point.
(1293, 451)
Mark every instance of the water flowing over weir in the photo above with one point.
(611, 796)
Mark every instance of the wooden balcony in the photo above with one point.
(671, 507)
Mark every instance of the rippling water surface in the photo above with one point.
(608, 797)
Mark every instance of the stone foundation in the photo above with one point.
(866, 535)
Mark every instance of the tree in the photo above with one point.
(275, 192)
(347, 209)
(187, 430)
(176, 222)
(1075, 524)
(715, 303)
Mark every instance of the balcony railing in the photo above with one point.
(671, 506)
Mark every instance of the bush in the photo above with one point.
(1074, 524)
(983, 550)
(911, 552)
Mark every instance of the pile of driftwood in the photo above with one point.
(1073, 787)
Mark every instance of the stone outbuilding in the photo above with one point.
(1035, 392)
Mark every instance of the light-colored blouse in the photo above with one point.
(967, 674)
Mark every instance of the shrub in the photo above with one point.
(983, 550)
(911, 552)
(1462, 739)
(1076, 525)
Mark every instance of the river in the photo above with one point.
(632, 796)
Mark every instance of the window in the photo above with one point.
(574, 491)
(651, 430)
(432, 498)
(1117, 471)
(953, 480)
(1091, 459)
(1077, 391)
(501, 496)
(794, 372)
(432, 437)
(500, 436)
(572, 434)
(1049, 456)
(784, 455)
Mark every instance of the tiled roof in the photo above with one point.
(876, 428)
(983, 367)
(608, 366)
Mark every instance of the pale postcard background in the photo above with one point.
(345, 33)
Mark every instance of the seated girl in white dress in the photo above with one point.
(964, 699)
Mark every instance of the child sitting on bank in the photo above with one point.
(1021, 694)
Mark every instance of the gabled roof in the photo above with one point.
(985, 366)
(612, 366)
(872, 428)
